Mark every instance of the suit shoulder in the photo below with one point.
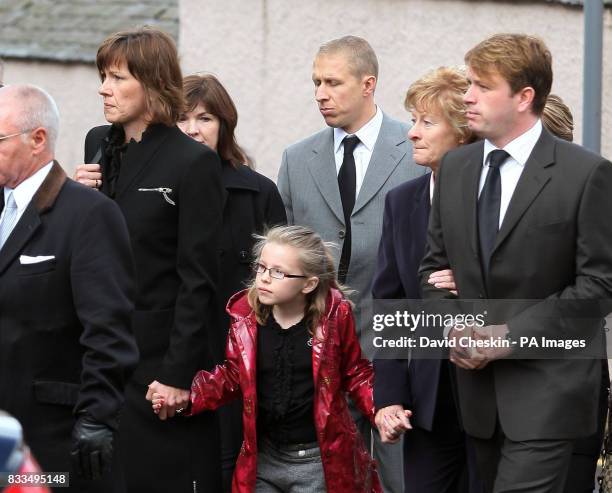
(84, 198)
(266, 185)
(393, 123)
(465, 151)
(188, 147)
(409, 188)
(309, 142)
(576, 155)
(97, 133)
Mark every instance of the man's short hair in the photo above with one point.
(36, 109)
(522, 60)
(359, 54)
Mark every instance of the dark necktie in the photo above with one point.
(488, 207)
(347, 183)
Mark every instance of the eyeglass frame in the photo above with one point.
(16, 134)
(261, 269)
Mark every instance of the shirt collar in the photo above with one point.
(24, 192)
(368, 134)
(432, 183)
(521, 147)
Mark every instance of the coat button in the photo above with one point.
(481, 296)
(243, 255)
(341, 234)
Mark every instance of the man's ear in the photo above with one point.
(39, 139)
(311, 285)
(525, 98)
(369, 85)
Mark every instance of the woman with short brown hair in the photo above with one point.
(169, 189)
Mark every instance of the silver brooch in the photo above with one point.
(163, 190)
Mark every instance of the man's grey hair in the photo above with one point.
(36, 109)
(1, 71)
(360, 56)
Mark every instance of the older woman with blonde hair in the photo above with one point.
(169, 189)
(437, 457)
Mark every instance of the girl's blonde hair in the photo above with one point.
(315, 260)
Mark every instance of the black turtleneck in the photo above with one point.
(285, 385)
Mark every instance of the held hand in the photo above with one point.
(443, 279)
(175, 399)
(159, 406)
(89, 175)
(461, 354)
(92, 448)
(496, 336)
(391, 422)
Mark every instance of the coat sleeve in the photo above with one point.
(387, 283)
(284, 188)
(209, 390)
(391, 384)
(102, 278)
(200, 203)
(436, 257)
(357, 372)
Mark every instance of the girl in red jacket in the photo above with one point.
(292, 354)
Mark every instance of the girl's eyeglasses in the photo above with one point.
(274, 273)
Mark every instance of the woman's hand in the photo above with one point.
(89, 175)
(175, 400)
(392, 421)
(443, 279)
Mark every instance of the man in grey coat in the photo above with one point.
(335, 181)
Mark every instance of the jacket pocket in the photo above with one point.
(37, 268)
(61, 393)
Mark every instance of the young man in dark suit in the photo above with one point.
(66, 298)
(519, 216)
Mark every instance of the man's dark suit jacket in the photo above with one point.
(554, 244)
(65, 341)
(401, 250)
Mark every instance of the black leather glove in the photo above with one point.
(92, 447)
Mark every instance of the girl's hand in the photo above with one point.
(159, 406)
(89, 175)
(391, 422)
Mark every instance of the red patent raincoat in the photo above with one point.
(338, 368)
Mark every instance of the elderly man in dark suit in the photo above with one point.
(66, 289)
(520, 215)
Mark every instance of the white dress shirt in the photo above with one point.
(368, 134)
(511, 170)
(24, 192)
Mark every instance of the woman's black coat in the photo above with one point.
(170, 192)
(252, 203)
